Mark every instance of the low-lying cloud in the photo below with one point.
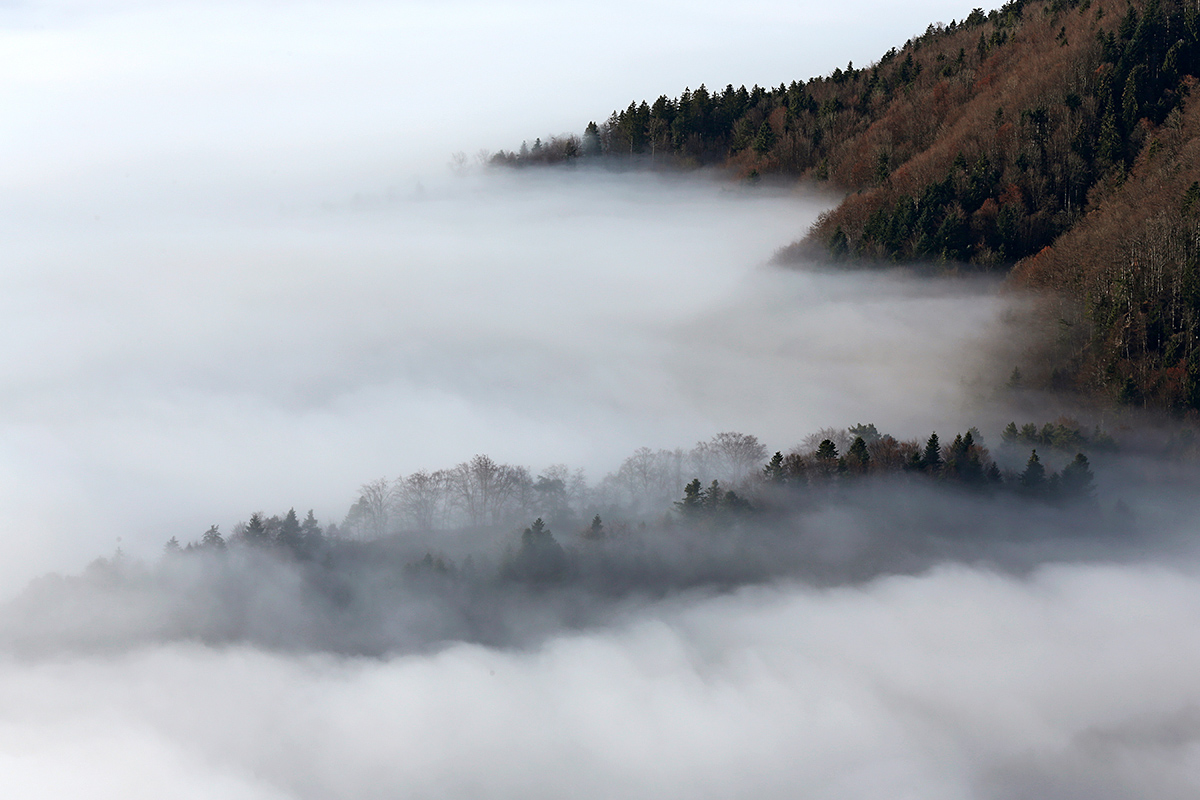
(1073, 682)
(183, 370)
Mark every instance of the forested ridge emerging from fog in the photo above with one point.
(485, 552)
(1062, 137)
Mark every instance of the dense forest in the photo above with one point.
(1055, 139)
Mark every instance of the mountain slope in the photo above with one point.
(1056, 135)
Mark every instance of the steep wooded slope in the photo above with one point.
(1057, 135)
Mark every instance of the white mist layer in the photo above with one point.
(218, 295)
(1078, 682)
(182, 369)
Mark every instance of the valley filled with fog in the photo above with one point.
(240, 278)
(189, 369)
(891, 636)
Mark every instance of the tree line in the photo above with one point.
(726, 479)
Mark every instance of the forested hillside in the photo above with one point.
(1058, 136)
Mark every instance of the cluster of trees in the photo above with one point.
(485, 493)
(476, 493)
(726, 480)
(1064, 103)
(1063, 434)
(728, 476)
(300, 539)
(964, 462)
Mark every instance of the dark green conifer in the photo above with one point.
(858, 457)
(1033, 479)
(931, 458)
(1077, 479)
(774, 471)
(693, 499)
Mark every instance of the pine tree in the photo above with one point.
(1033, 479)
(310, 533)
(827, 459)
(172, 547)
(932, 455)
(541, 558)
(714, 496)
(693, 499)
(596, 530)
(774, 471)
(289, 532)
(591, 140)
(764, 140)
(256, 531)
(1077, 480)
(858, 458)
(827, 450)
(212, 539)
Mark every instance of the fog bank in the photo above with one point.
(181, 370)
(958, 683)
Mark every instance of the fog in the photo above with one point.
(1072, 683)
(240, 275)
(182, 371)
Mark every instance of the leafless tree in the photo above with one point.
(376, 501)
(421, 498)
(485, 489)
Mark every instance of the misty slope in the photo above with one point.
(988, 141)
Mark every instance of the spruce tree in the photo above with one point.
(774, 471)
(693, 499)
(289, 532)
(1077, 482)
(859, 458)
(310, 533)
(256, 530)
(932, 456)
(212, 539)
(827, 459)
(1033, 479)
(595, 530)
(1010, 434)
(714, 496)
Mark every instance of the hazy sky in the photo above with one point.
(168, 91)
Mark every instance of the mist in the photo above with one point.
(958, 683)
(197, 369)
(241, 276)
